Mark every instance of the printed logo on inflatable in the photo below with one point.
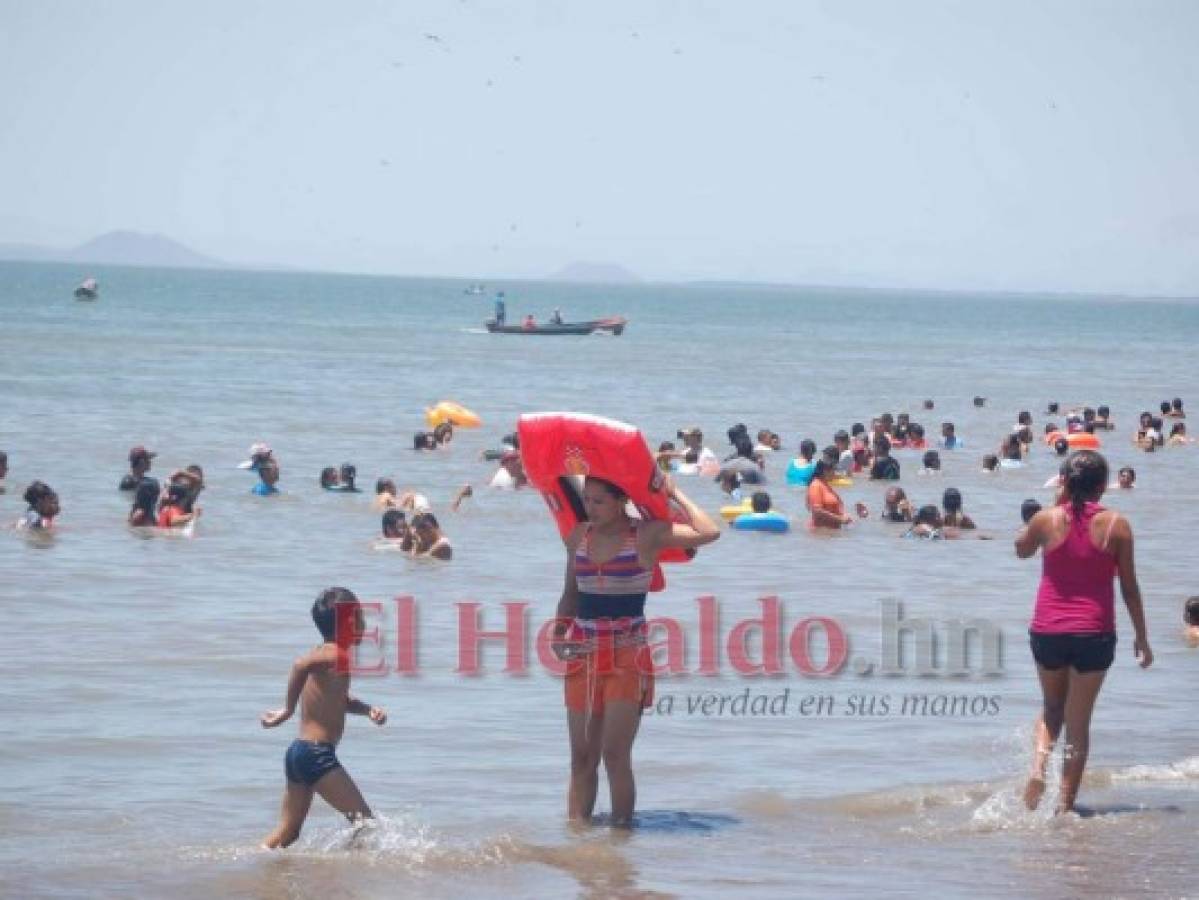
(575, 463)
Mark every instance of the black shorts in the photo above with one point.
(1084, 652)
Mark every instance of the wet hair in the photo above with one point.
(857, 428)
(744, 446)
(691, 457)
(37, 492)
(928, 404)
(1025, 418)
(1061, 446)
(841, 435)
(1178, 428)
(1028, 509)
(980, 401)
(324, 610)
(425, 520)
(383, 484)
(1130, 470)
(1177, 404)
(392, 519)
(443, 432)
(328, 476)
(952, 500)
(614, 490)
(1104, 412)
(1053, 408)
(737, 432)
(807, 448)
(882, 444)
(990, 462)
(932, 460)
(1165, 407)
(760, 502)
(349, 472)
(146, 495)
(927, 515)
(1084, 477)
(1190, 611)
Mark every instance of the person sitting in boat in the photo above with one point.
(556, 318)
(530, 323)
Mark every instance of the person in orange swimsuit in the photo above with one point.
(600, 632)
(825, 504)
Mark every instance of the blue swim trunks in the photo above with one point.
(307, 762)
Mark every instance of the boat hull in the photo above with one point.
(613, 326)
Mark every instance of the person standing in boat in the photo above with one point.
(600, 632)
(556, 318)
(501, 310)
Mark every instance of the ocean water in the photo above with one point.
(137, 666)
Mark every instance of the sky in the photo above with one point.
(989, 145)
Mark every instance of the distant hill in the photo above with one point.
(595, 273)
(118, 248)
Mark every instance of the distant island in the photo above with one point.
(118, 248)
(595, 273)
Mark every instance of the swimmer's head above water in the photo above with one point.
(394, 525)
(1126, 477)
(1028, 509)
(932, 461)
(329, 477)
(1061, 446)
(760, 502)
(1190, 611)
(990, 462)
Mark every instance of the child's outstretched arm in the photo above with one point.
(356, 707)
(295, 684)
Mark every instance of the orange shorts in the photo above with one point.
(607, 675)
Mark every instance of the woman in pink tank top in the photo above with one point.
(1073, 631)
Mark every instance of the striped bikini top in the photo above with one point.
(622, 575)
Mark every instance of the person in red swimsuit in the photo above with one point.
(600, 631)
(1073, 631)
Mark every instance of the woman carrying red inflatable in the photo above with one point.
(610, 561)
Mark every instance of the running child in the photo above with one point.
(320, 678)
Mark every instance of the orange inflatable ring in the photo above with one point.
(1083, 440)
(456, 415)
(559, 449)
(1080, 440)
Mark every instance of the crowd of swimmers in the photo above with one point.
(1072, 637)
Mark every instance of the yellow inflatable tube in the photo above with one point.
(728, 513)
(447, 411)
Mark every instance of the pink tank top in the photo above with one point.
(1076, 594)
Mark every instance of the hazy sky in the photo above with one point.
(1004, 144)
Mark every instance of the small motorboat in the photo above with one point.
(88, 290)
(613, 325)
(475, 290)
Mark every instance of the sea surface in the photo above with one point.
(135, 667)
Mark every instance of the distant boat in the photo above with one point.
(88, 290)
(612, 325)
(475, 290)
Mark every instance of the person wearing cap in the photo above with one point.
(139, 465)
(259, 453)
